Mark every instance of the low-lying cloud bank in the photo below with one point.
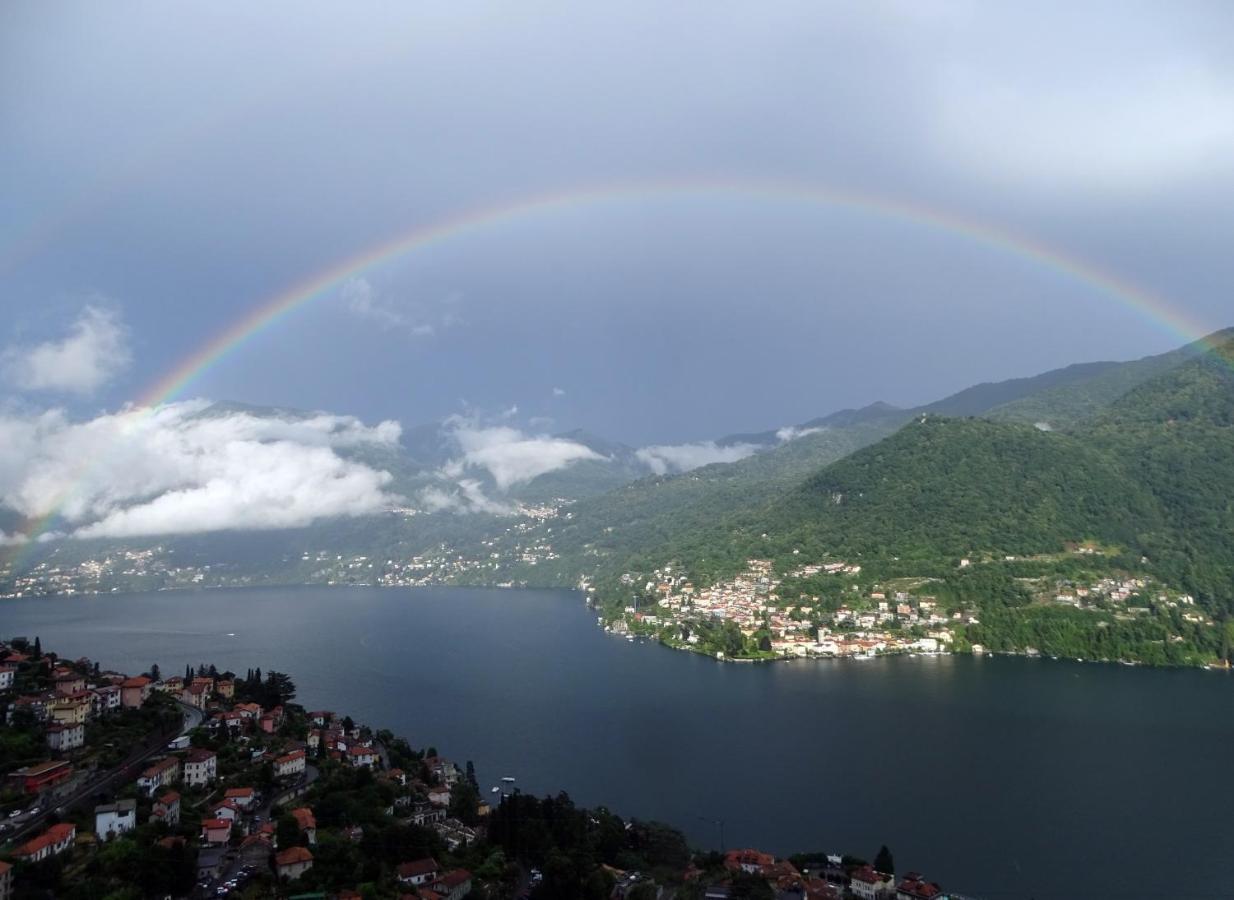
(665, 458)
(510, 456)
(792, 432)
(185, 468)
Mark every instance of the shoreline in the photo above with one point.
(189, 589)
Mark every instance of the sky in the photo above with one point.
(167, 169)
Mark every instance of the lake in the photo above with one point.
(997, 777)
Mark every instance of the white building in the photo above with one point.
(65, 737)
(200, 767)
(290, 764)
(112, 819)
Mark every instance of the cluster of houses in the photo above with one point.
(832, 881)
(70, 699)
(94, 575)
(898, 624)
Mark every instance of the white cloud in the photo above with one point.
(792, 432)
(12, 540)
(366, 302)
(665, 458)
(183, 468)
(464, 496)
(510, 456)
(94, 351)
(559, 392)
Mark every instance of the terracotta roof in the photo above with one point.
(418, 867)
(293, 855)
(454, 878)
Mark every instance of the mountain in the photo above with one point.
(1068, 403)
(1150, 479)
(943, 488)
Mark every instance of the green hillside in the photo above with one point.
(953, 487)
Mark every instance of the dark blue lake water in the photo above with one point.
(996, 777)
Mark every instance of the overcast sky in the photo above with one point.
(167, 167)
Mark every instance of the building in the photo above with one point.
(290, 764)
(225, 809)
(200, 767)
(243, 797)
(307, 822)
(215, 831)
(915, 887)
(195, 694)
(163, 773)
(37, 778)
(69, 682)
(210, 862)
(52, 842)
(8, 674)
(106, 699)
(454, 885)
(362, 757)
(418, 872)
(293, 862)
(752, 862)
(134, 691)
(70, 710)
(112, 819)
(63, 738)
(166, 809)
(255, 851)
(869, 884)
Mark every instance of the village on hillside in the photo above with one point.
(752, 615)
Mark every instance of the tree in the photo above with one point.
(155, 673)
(279, 688)
(38, 648)
(287, 831)
(884, 861)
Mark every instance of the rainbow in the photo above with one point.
(273, 310)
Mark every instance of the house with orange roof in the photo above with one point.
(289, 764)
(134, 691)
(418, 871)
(166, 809)
(293, 862)
(307, 823)
(215, 831)
(52, 842)
(200, 766)
(243, 797)
(454, 885)
(162, 773)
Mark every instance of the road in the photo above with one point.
(129, 769)
(234, 863)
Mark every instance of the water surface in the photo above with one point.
(996, 777)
